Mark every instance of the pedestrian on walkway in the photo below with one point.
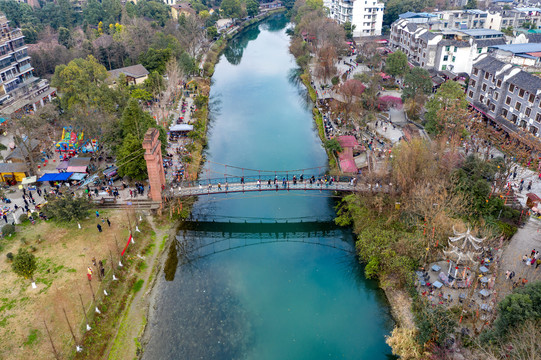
(97, 214)
(89, 273)
(108, 222)
(99, 227)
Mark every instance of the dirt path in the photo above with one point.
(125, 344)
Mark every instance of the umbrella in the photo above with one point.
(484, 293)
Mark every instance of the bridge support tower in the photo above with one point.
(153, 157)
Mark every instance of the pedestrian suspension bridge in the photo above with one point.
(241, 180)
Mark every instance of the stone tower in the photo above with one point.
(153, 157)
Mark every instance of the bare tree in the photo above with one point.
(326, 62)
(31, 128)
(192, 35)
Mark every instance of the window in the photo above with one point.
(521, 93)
(471, 94)
(445, 58)
(511, 88)
(528, 111)
(472, 83)
(444, 67)
(518, 105)
(484, 87)
(514, 118)
(454, 58)
(504, 113)
(538, 117)
(508, 101)
(456, 48)
(499, 84)
(496, 95)
(487, 75)
(531, 98)
(447, 48)
(479, 50)
(475, 71)
(492, 107)
(481, 98)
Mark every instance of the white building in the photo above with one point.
(451, 50)
(366, 15)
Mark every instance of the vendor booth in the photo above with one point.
(12, 173)
(180, 129)
(55, 177)
(78, 164)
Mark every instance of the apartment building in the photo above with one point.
(366, 15)
(506, 94)
(518, 16)
(20, 90)
(451, 50)
(477, 19)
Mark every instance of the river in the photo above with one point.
(261, 288)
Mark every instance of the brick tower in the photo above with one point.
(153, 157)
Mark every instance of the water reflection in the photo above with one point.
(275, 23)
(211, 315)
(233, 52)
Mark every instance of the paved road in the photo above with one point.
(522, 243)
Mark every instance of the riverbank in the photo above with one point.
(306, 78)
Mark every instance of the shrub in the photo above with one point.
(9, 255)
(8, 230)
(138, 285)
(23, 218)
(68, 208)
(335, 80)
(506, 229)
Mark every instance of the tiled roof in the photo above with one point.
(456, 43)
(135, 71)
(427, 36)
(489, 42)
(526, 81)
(489, 64)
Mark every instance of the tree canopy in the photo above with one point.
(416, 82)
(67, 208)
(24, 264)
(397, 64)
(231, 8)
(81, 82)
(449, 97)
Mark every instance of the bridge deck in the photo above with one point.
(289, 186)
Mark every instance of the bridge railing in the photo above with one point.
(289, 179)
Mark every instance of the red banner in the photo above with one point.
(125, 247)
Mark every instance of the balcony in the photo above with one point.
(25, 67)
(16, 34)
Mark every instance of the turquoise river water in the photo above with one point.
(243, 283)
